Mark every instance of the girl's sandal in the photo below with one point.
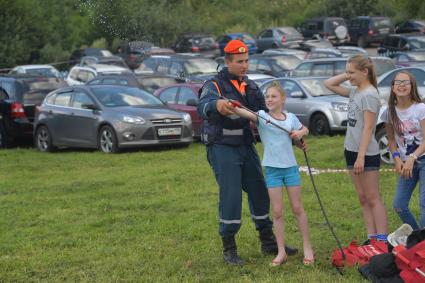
(275, 263)
(308, 262)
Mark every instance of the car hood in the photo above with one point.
(147, 112)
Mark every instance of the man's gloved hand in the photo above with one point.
(225, 107)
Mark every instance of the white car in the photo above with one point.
(79, 75)
(43, 70)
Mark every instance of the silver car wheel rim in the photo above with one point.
(43, 140)
(106, 141)
(384, 151)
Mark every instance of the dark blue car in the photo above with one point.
(245, 37)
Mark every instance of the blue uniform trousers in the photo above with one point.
(238, 168)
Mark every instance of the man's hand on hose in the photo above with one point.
(225, 107)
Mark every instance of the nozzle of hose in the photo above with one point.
(235, 103)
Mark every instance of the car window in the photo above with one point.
(176, 69)
(85, 76)
(63, 99)
(417, 42)
(74, 74)
(285, 62)
(148, 64)
(169, 95)
(50, 99)
(387, 81)
(263, 66)
(340, 67)
(290, 87)
(326, 69)
(200, 66)
(403, 58)
(302, 70)
(315, 87)
(120, 96)
(10, 88)
(163, 66)
(81, 98)
(185, 94)
(379, 23)
(94, 82)
(419, 76)
(364, 24)
(266, 34)
(253, 62)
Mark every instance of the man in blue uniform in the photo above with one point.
(231, 152)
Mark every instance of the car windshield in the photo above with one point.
(48, 72)
(287, 62)
(381, 23)
(152, 84)
(315, 87)
(288, 30)
(246, 37)
(417, 56)
(417, 42)
(332, 24)
(125, 96)
(383, 66)
(200, 66)
(106, 53)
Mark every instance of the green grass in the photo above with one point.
(151, 215)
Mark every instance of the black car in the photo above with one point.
(148, 82)
(365, 30)
(190, 67)
(411, 26)
(19, 95)
(332, 28)
(203, 44)
(402, 42)
(273, 64)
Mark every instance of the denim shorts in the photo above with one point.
(371, 162)
(279, 177)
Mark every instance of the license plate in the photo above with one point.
(169, 132)
(384, 30)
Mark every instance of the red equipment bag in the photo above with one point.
(358, 255)
(411, 262)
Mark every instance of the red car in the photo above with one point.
(183, 97)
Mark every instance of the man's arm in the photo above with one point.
(210, 103)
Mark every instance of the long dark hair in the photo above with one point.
(392, 101)
(362, 62)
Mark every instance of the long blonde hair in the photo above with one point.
(392, 101)
(362, 62)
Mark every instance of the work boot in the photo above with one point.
(230, 253)
(269, 245)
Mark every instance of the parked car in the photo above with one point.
(333, 29)
(259, 78)
(411, 26)
(335, 52)
(365, 30)
(19, 95)
(319, 109)
(278, 37)
(311, 44)
(134, 52)
(40, 70)
(348, 51)
(198, 43)
(183, 97)
(409, 59)
(148, 82)
(111, 60)
(192, 68)
(333, 66)
(109, 118)
(384, 81)
(245, 37)
(96, 52)
(81, 74)
(273, 65)
(401, 42)
(300, 54)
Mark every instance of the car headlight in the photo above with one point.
(186, 118)
(339, 106)
(134, 120)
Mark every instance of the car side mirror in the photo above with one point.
(89, 106)
(192, 102)
(297, 94)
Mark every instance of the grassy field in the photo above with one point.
(151, 216)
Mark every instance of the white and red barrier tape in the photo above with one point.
(315, 171)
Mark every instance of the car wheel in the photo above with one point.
(361, 42)
(384, 151)
(319, 125)
(43, 139)
(107, 140)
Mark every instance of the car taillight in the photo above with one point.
(326, 34)
(216, 45)
(195, 49)
(370, 32)
(283, 40)
(422, 30)
(17, 110)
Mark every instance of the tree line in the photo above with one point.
(45, 31)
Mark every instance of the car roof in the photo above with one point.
(34, 66)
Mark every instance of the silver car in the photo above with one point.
(321, 110)
(109, 118)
